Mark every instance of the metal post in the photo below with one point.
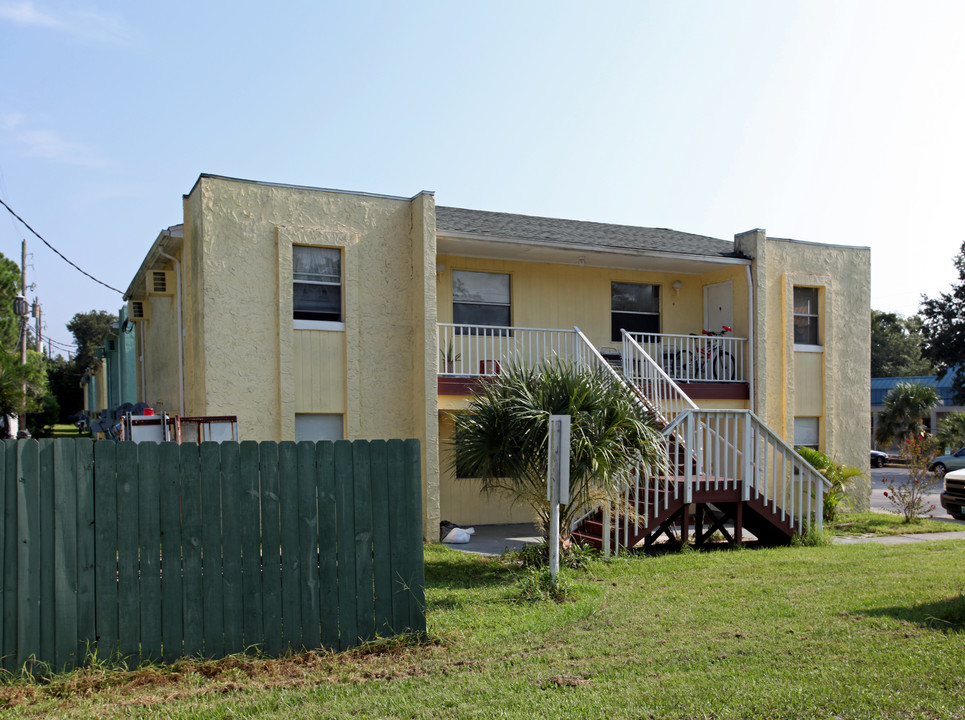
(557, 483)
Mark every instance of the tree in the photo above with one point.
(896, 346)
(840, 476)
(943, 328)
(951, 431)
(502, 437)
(906, 405)
(89, 330)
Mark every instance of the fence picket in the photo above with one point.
(288, 513)
(83, 452)
(48, 582)
(5, 525)
(212, 588)
(395, 471)
(172, 610)
(192, 603)
(28, 550)
(149, 548)
(271, 548)
(381, 545)
(65, 553)
(127, 550)
(234, 641)
(105, 547)
(327, 544)
(308, 545)
(345, 531)
(250, 526)
(364, 597)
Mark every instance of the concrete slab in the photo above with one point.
(497, 539)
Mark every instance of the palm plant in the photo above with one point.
(502, 437)
(951, 431)
(840, 476)
(906, 404)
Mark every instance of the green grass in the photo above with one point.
(858, 631)
(874, 523)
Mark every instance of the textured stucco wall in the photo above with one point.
(843, 275)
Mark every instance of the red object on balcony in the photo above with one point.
(489, 367)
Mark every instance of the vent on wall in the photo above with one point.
(112, 345)
(160, 282)
(138, 310)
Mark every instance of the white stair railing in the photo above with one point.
(662, 393)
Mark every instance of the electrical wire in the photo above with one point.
(62, 256)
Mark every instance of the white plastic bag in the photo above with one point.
(458, 536)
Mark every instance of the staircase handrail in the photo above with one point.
(664, 394)
(780, 441)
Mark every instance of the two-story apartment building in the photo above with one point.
(322, 314)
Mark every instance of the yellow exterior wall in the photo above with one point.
(563, 296)
(157, 367)
(783, 390)
(461, 500)
(321, 385)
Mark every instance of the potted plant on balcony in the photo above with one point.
(450, 358)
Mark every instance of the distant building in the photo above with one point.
(880, 387)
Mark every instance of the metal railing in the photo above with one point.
(696, 358)
(479, 350)
(663, 394)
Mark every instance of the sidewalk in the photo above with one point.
(900, 539)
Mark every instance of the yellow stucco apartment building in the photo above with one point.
(317, 314)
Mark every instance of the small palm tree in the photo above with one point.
(906, 404)
(951, 431)
(840, 476)
(502, 437)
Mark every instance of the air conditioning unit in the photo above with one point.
(160, 282)
(138, 310)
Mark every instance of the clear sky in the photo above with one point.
(835, 121)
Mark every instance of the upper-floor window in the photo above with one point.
(635, 308)
(480, 298)
(317, 283)
(807, 432)
(806, 316)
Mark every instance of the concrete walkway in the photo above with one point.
(497, 539)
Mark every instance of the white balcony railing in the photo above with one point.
(697, 358)
(476, 350)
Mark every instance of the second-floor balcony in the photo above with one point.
(481, 350)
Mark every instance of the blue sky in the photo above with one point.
(836, 121)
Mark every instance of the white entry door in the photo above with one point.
(718, 306)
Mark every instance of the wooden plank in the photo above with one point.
(28, 550)
(105, 548)
(271, 548)
(149, 548)
(381, 543)
(290, 561)
(48, 522)
(213, 591)
(172, 610)
(4, 649)
(417, 602)
(327, 555)
(250, 526)
(401, 569)
(345, 530)
(364, 575)
(65, 552)
(192, 608)
(308, 545)
(83, 452)
(234, 636)
(128, 596)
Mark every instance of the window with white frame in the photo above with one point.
(480, 298)
(806, 316)
(634, 307)
(317, 283)
(807, 432)
(317, 427)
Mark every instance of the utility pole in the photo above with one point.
(22, 312)
(37, 313)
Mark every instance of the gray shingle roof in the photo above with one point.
(579, 232)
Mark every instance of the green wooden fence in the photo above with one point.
(155, 552)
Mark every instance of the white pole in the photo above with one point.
(557, 483)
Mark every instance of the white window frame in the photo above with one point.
(655, 293)
(814, 317)
(311, 323)
(467, 302)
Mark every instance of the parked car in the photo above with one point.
(953, 496)
(946, 463)
(878, 458)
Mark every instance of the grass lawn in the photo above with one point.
(876, 523)
(858, 631)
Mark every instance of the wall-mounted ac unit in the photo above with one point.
(138, 310)
(160, 282)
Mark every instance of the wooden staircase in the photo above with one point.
(727, 474)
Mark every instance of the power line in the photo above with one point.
(73, 265)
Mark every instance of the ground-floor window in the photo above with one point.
(807, 432)
(318, 426)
